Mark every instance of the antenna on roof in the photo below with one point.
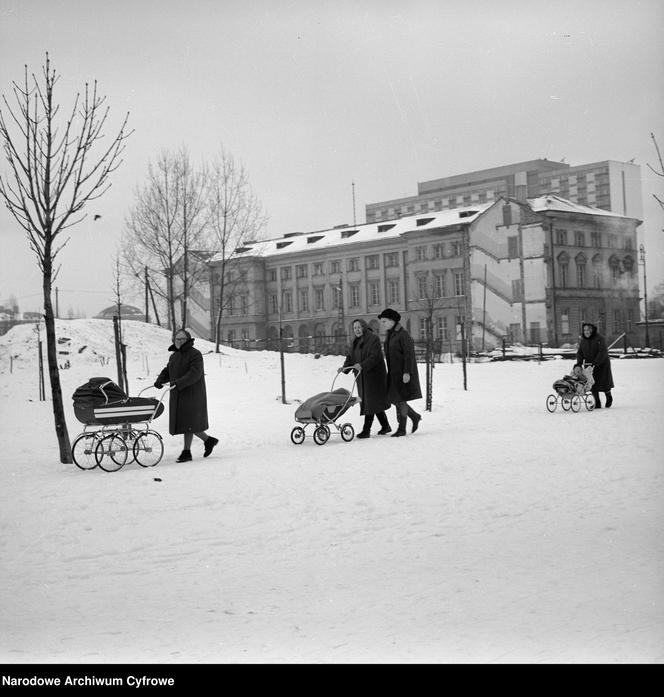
(354, 223)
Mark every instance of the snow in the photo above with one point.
(498, 533)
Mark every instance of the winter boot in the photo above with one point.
(401, 431)
(415, 417)
(209, 443)
(609, 399)
(595, 394)
(366, 429)
(384, 423)
(184, 456)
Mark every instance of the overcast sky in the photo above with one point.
(311, 96)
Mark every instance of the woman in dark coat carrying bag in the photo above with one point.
(403, 380)
(593, 351)
(365, 357)
(188, 398)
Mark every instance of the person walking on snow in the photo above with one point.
(188, 398)
(403, 380)
(593, 351)
(365, 357)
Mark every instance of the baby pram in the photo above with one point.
(117, 427)
(322, 411)
(573, 389)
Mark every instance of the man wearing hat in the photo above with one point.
(403, 380)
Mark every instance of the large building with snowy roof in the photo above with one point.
(517, 270)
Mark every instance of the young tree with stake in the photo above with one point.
(56, 166)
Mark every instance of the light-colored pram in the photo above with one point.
(572, 390)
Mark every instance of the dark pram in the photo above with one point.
(322, 410)
(117, 427)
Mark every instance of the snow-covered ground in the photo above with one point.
(497, 533)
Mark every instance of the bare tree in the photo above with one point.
(659, 173)
(57, 165)
(164, 226)
(236, 217)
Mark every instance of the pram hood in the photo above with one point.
(325, 406)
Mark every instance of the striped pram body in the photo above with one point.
(101, 401)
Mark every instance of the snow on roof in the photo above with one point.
(367, 232)
(551, 202)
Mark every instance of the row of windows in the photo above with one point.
(440, 250)
(578, 238)
(621, 320)
(616, 272)
(323, 298)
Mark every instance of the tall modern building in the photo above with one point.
(512, 268)
(609, 185)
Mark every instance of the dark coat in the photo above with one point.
(594, 350)
(400, 357)
(371, 383)
(188, 401)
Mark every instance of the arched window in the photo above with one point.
(597, 271)
(580, 261)
(563, 270)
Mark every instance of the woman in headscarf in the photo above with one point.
(365, 357)
(593, 351)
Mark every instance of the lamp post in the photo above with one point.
(281, 348)
(642, 258)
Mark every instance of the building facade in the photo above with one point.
(609, 185)
(517, 270)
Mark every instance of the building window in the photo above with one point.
(354, 264)
(422, 290)
(391, 260)
(507, 215)
(597, 276)
(458, 283)
(274, 302)
(244, 304)
(438, 251)
(285, 273)
(303, 299)
(628, 243)
(244, 276)
(244, 334)
(336, 297)
(611, 241)
(288, 301)
(374, 293)
(580, 274)
(423, 328)
(393, 295)
(442, 329)
(596, 239)
(373, 261)
(335, 267)
(561, 236)
(616, 321)
(630, 320)
(319, 298)
(564, 321)
(563, 267)
(516, 290)
(579, 239)
(439, 285)
(272, 275)
(354, 295)
(456, 248)
(231, 336)
(420, 253)
(301, 271)
(318, 268)
(513, 247)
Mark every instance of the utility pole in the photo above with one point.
(147, 312)
(642, 256)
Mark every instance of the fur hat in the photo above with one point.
(389, 313)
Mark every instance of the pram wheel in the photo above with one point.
(111, 452)
(347, 432)
(552, 402)
(321, 435)
(297, 435)
(566, 403)
(589, 401)
(575, 403)
(83, 451)
(148, 449)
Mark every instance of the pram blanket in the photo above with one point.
(323, 406)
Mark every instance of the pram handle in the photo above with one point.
(346, 370)
(149, 387)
